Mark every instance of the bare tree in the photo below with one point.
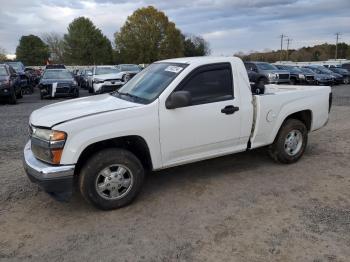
(55, 42)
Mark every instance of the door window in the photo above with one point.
(209, 84)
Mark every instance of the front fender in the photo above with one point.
(85, 131)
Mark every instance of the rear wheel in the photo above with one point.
(290, 143)
(346, 80)
(111, 178)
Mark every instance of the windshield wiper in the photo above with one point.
(128, 94)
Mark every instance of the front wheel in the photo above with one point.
(111, 178)
(290, 142)
(346, 80)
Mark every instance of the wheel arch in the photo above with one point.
(135, 144)
(305, 116)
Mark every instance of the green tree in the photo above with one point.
(55, 43)
(195, 46)
(147, 36)
(2, 54)
(32, 50)
(85, 44)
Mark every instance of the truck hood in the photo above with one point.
(51, 115)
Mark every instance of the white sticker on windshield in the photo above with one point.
(173, 69)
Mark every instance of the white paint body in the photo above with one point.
(183, 135)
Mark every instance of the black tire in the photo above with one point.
(346, 80)
(12, 98)
(278, 150)
(20, 94)
(76, 93)
(98, 162)
(292, 81)
(262, 82)
(91, 90)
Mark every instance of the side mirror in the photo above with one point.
(178, 99)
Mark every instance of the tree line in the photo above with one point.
(146, 36)
(315, 53)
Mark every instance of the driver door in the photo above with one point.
(205, 128)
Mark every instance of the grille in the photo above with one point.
(283, 76)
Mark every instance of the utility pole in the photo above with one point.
(336, 45)
(289, 40)
(281, 36)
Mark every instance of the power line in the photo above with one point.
(336, 45)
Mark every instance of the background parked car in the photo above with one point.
(337, 78)
(84, 78)
(20, 70)
(10, 84)
(58, 83)
(55, 66)
(272, 73)
(106, 79)
(130, 69)
(341, 71)
(320, 78)
(297, 76)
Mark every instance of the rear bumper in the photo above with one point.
(53, 179)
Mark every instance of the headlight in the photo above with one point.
(75, 83)
(4, 82)
(98, 81)
(272, 75)
(47, 144)
(301, 76)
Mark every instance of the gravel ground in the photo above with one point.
(242, 207)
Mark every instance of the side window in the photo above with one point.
(210, 84)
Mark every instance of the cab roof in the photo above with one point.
(200, 60)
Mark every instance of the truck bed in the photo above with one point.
(280, 101)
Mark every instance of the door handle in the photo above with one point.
(229, 110)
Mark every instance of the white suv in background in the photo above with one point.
(105, 79)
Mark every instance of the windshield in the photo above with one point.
(295, 69)
(307, 70)
(106, 70)
(57, 74)
(150, 83)
(15, 65)
(132, 68)
(266, 66)
(3, 71)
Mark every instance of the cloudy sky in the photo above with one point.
(228, 25)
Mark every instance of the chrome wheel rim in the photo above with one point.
(114, 182)
(293, 142)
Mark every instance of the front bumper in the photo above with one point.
(53, 179)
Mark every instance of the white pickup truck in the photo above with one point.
(174, 112)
